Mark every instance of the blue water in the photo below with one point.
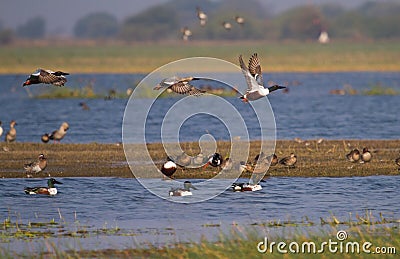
(308, 111)
(124, 203)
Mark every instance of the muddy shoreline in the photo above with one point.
(326, 159)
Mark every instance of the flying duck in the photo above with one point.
(49, 190)
(227, 26)
(59, 134)
(186, 33)
(289, 161)
(354, 155)
(168, 168)
(239, 20)
(182, 192)
(46, 77)
(366, 156)
(12, 133)
(37, 166)
(202, 16)
(254, 80)
(180, 85)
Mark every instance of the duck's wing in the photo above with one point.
(183, 87)
(30, 165)
(47, 77)
(255, 69)
(252, 84)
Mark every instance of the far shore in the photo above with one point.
(326, 159)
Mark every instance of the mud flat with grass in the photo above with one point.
(145, 57)
(326, 159)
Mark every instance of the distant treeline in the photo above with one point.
(372, 20)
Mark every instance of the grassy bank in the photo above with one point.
(145, 57)
(105, 160)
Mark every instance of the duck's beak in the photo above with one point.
(157, 87)
(191, 186)
(206, 165)
(27, 82)
(57, 182)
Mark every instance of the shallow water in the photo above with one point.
(124, 203)
(308, 111)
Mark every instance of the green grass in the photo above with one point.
(145, 57)
(239, 242)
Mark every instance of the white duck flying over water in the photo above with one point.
(254, 80)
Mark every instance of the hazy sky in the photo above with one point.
(61, 15)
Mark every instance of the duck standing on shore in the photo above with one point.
(49, 190)
(168, 168)
(254, 80)
(42, 76)
(366, 156)
(397, 161)
(11, 135)
(59, 134)
(354, 155)
(36, 167)
(289, 161)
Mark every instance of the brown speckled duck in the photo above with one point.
(354, 155)
(180, 85)
(289, 161)
(59, 134)
(11, 135)
(37, 166)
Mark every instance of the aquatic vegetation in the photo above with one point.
(379, 89)
(241, 241)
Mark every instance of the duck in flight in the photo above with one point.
(254, 80)
(46, 77)
(180, 85)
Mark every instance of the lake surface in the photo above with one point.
(308, 111)
(145, 218)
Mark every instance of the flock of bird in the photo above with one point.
(203, 17)
(255, 90)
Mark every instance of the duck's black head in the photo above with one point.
(275, 87)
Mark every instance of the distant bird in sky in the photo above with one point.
(11, 135)
(47, 77)
(227, 25)
(37, 166)
(254, 80)
(239, 20)
(180, 85)
(202, 16)
(60, 133)
(186, 33)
